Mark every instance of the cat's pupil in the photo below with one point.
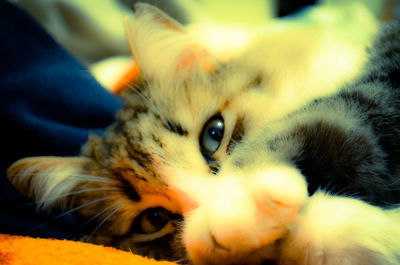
(156, 218)
(216, 132)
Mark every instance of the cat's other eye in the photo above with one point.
(152, 220)
(154, 223)
(211, 135)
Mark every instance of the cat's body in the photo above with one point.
(238, 162)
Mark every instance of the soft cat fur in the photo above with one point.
(306, 172)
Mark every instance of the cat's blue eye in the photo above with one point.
(212, 134)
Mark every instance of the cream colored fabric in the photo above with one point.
(93, 30)
(89, 29)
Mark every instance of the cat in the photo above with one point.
(282, 155)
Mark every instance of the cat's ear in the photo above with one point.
(162, 48)
(49, 180)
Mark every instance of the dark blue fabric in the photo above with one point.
(49, 102)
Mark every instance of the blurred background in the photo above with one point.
(93, 30)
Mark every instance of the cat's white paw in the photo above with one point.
(343, 231)
(244, 216)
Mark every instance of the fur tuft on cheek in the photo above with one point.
(50, 180)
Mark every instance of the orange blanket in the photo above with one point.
(18, 250)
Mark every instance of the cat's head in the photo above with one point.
(178, 175)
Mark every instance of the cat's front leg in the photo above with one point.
(333, 230)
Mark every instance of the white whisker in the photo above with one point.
(70, 211)
(85, 177)
(102, 222)
(306, 255)
(95, 216)
(130, 250)
(64, 195)
(94, 178)
(87, 204)
(179, 261)
(76, 192)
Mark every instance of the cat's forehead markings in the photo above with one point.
(157, 140)
(140, 156)
(175, 128)
(127, 188)
(256, 81)
(126, 171)
(139, 109)
(237, 135)
(226, 104)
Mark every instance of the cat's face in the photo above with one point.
(183, 174)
